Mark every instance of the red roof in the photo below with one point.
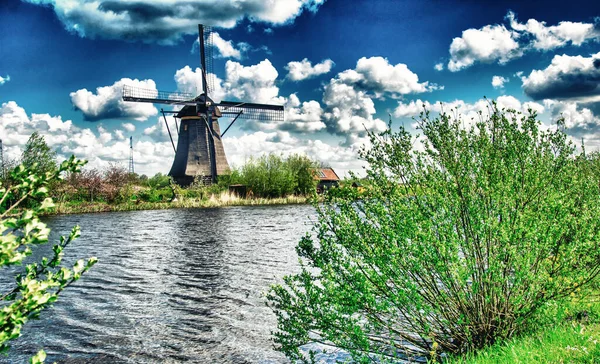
(326, 174)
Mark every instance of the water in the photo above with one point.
(170, 286)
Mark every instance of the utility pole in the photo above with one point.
(131, 169)
(2, 174)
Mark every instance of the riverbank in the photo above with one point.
(574, 337)
(223, 200)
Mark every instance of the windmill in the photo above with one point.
(199, 150)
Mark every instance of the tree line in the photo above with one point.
(267, 176)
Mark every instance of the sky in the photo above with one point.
(339, 67)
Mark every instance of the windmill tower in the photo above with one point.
(131, 169)
(200, 149)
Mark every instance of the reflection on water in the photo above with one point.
(170, 286)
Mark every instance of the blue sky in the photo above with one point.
(338, 66)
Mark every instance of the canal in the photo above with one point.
(171, 286)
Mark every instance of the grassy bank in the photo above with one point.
(570, 335)
(222, 200)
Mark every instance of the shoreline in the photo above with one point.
(63, 208)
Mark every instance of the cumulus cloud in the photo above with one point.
(166, 21)
(129, 127)
(499, 43)
(348, 97)
(4, 80)
(225, 48)
(254, 83)
(579, 119)
(98, 145)
(107, 102)
(298, 71)
(499, 81)
(549, 37)
(439, 66)
(377, 76)
(190, 81)
(491, 43)
(567, 77)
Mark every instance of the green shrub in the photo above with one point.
(453, 246)
(156, 195)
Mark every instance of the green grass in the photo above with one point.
(570, 333)
(224, 199)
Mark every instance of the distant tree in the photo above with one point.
(269, 176)
(38, 156)
(90, 181)
(159, 180)
(303, 169)
(40, 283)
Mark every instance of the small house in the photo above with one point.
(327, 178)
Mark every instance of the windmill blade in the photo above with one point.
(205, 38)
(250, 111)
(131, 93)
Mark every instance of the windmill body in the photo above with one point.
(200, 152)
(193, 155)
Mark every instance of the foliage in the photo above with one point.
(42, 281)
(37, 155)
(273, 176)
(158, 181)
(303, 169)
(453, 247)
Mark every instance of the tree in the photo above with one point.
(269, 176)
(37, 155)
(42, 281)
(303, 169)
(451, 247)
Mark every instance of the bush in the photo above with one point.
(156, 195)
(273, 176)
(451, 248)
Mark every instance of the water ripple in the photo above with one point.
(170, 286)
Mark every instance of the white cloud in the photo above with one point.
(349, 107)
(567, 77)
(166, 21)
(377, 76)
(491, 43)
(107, 102)
(4, 80)
(499, 81)
(575, 117)
(550, 37)
(298, 71)
(439, 66)
(225, 47)
(129, 127)
(497, 43)
(254, 83)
